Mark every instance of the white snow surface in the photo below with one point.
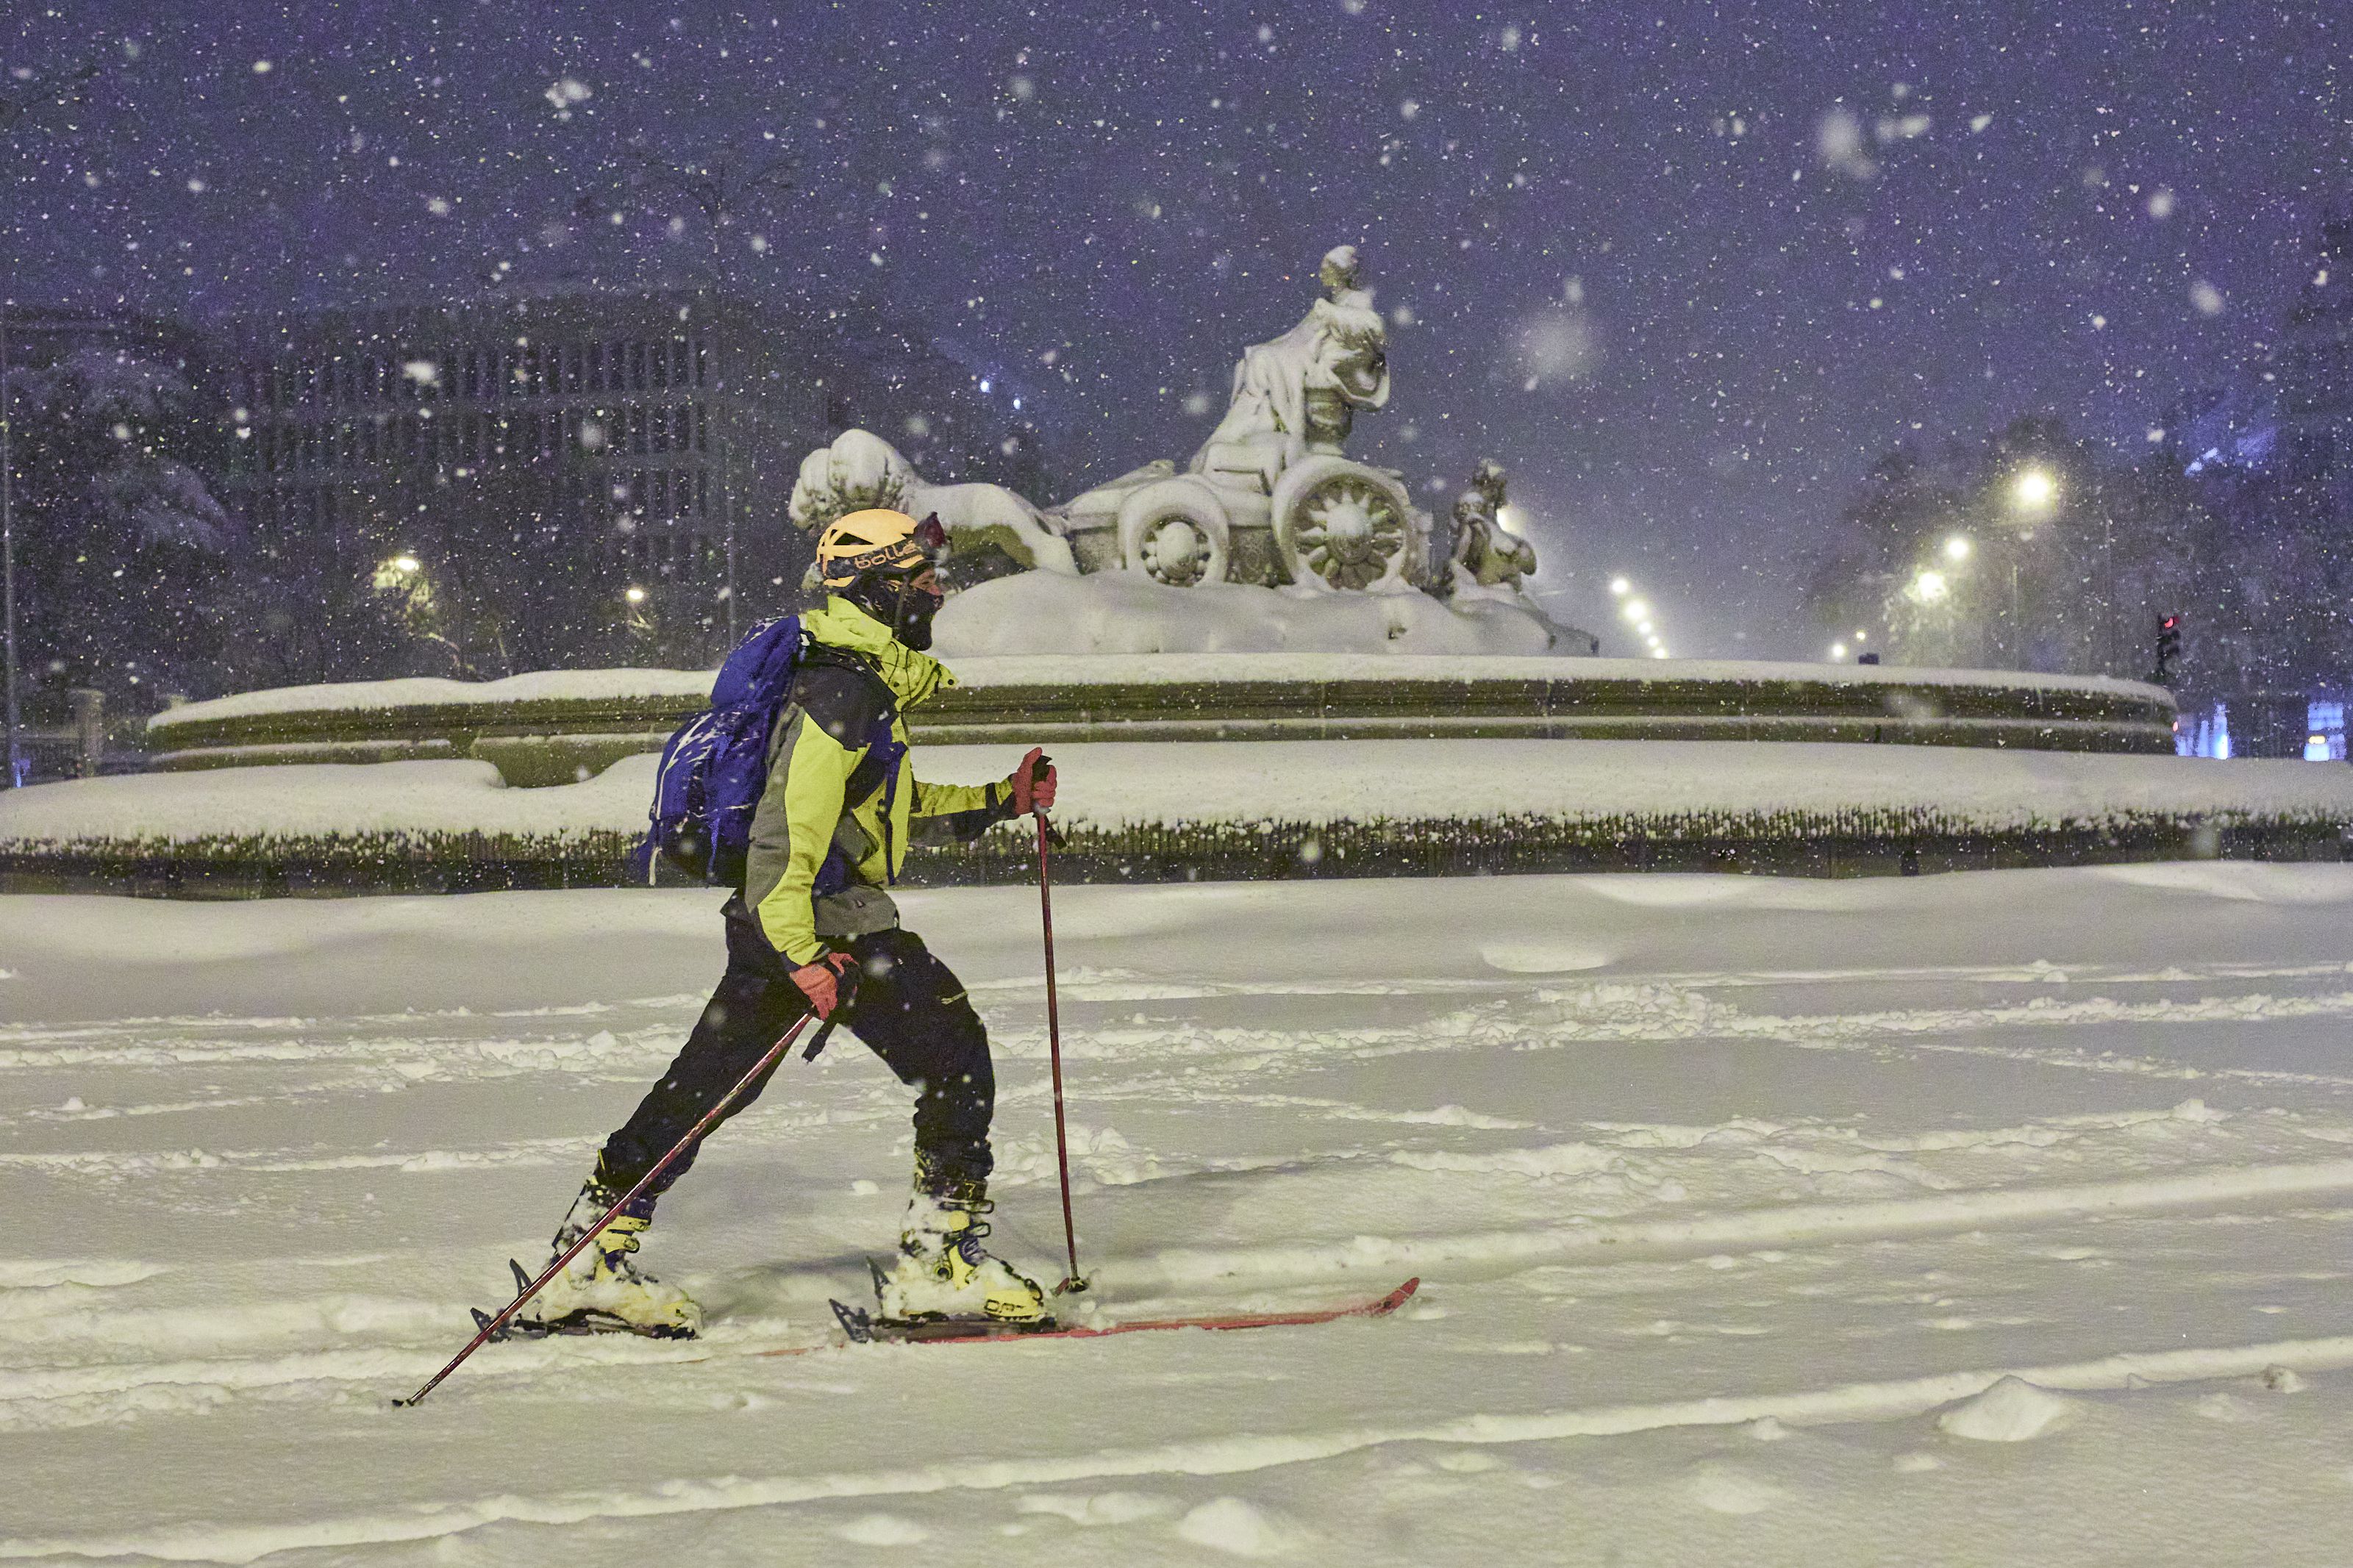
(1012, 659)
(1114, 784)
(1128, 613)
(433, 692)
(1983, 1219)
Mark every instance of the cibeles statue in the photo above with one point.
(1272, 497)
(1298, 394)
(1486, 554)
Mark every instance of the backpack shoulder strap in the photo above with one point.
(842, 694)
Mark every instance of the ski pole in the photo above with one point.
(490, 1326)
(1075, 1281)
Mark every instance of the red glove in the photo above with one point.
(1033, 783)
(821, 982)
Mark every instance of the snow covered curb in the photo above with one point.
(692, 686)
(1178, 810)
(555, 729)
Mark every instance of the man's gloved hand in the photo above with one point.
(1032, 783)
(821, 982)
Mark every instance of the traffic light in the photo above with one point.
(2169, 647)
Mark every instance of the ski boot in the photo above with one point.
(945, 1278)
(603, 1291)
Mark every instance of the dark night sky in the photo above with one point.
(2079, 209)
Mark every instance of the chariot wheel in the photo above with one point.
(1340, 524)
(1174, 532)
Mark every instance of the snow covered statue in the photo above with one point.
(1269, 537)
(1487, 559)
(1269, 498)
(861, 472)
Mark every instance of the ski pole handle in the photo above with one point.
(824, 1032)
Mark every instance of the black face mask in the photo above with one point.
(898, 604)
(912, 624)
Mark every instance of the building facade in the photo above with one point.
(39, 336)
(2315, 365)
(583, 478)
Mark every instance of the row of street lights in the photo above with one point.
(401, 568)
(1637, 611)
(2033, 492)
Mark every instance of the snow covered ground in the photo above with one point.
(1986, 1219)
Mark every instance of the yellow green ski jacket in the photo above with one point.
(826, 797)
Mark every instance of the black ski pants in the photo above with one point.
(907, 1008)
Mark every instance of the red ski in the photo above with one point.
(863, 1328)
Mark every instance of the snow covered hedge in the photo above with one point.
(1177, 810)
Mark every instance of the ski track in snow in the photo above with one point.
(1645, 1201)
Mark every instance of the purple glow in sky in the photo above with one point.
(1685, 269)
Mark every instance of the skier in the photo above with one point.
(834, 791)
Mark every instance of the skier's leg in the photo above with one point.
(604, 1288)
(910, 1009)
(754, 1003)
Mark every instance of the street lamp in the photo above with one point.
(1930, 586)
(1957, 547)
(634, 595)
(1621, 586)
(1636, 610)
(2034, 489)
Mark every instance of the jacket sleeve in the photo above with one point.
(792, 830)
(957, 811)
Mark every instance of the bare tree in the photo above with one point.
(728, 185)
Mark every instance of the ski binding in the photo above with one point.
(585, 1321)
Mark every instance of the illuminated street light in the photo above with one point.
(1644, 628)
(1930, 586)
(1635, 610)
(636, 595)
(2034, 489)
(1957, 547)
(405, 564)
(1838, 651)
(1658, 653)
(1619, 587)
(1859, 638)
